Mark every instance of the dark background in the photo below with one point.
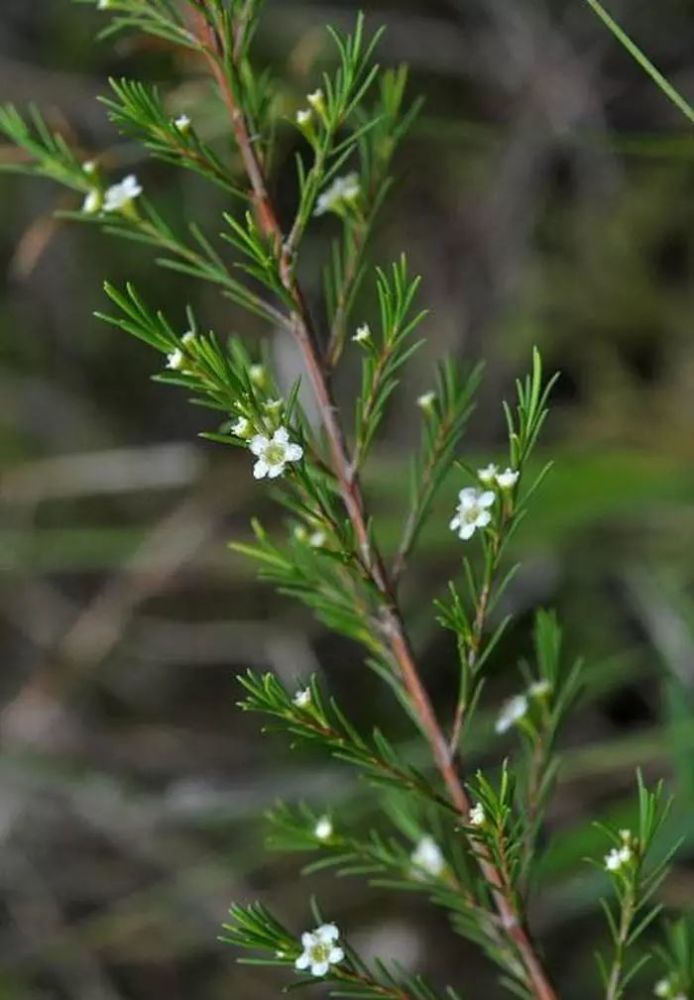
(545, 195)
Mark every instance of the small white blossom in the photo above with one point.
(477, 816)
(103, 5)
(487, 475)
(182, 123)
(363, 334)
(317, 539)
(274, 453)
(507, 480)
(539, 689)
(304, 117)
(176, 360)
(188, 338)
(92, 202)
(273, 406)
(119, 196)
(426, 401)
(89, 167)
(472, 512)
(323, 829)
(320, 950)
(342, 191)
(302, 698)
(513, 711)
(617, 858)
(316, 100)
(662, 988)
(241, 428)
(427, 858)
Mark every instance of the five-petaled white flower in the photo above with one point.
(320, 950)
(539, 689)
(507, 479)
(120, 195)
(477, 815)
(274, 453)
(323, 829)
(302, 698)
(512, 712)
(472, 512)
(363, 334)
(427, 858)
(618, 857)
(487, 475)
(342, 191)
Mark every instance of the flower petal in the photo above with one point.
(281, 435)
(455, 523)
(467, 496)
(483, 519)
(303, 961)
(293, 452)
(467, 531)
(487, 498)
(258, 444)
(308, 940)
(327, 933)
(336, 955)
(260, 469)
(275, 470)
(319, 968)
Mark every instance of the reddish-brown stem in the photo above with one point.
(350, 488)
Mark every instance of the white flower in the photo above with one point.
(121, 195)
(539, 689)
(426, 401)
(617, 858)
(303, 117)
(89, 167)
(342, 191)
(477, 816)
(176, 359)
(302, 698)
(188, 338)
(363, 334)
(316, 100)
(103, 5)
(472, 511)
(487, 475)
(320, 950)
(273, 406)
(512, 712)
(92, 202)
(507, 480)
(274, 453)
(427, 857)
(241, 427)
(323, 829)
(317, 539)
(182, 123)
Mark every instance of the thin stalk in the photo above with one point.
(350, 487)
(614, 983)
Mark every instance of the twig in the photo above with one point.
(350, 489)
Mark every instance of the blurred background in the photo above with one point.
(546, 196)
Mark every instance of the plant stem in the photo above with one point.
(350, 488)
(614, 983)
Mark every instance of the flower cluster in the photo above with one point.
(117, 198)
(491, 476)
(320, 950)
(619, 857)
